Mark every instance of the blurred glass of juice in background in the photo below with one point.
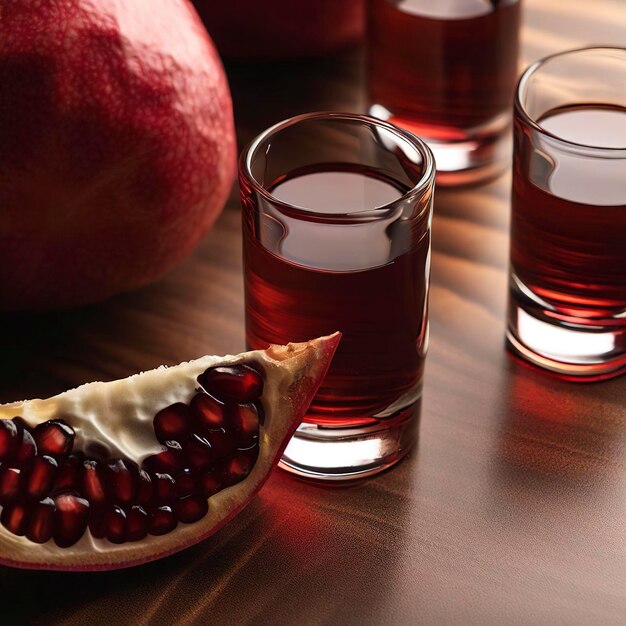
(336, 216)
(446, 71)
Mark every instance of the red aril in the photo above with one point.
(41, 477)
(93, 485)
(245, 420)
(41, 523)
(8, 439)
(191, 509)
(145, 488)
(187, 483)
(70, 474)
(236, 469)
(54, 437)
(173, 423)
(26, 448)
(93, 506)
(115, 524)
(238, 384)
(137, 522)
(121, 478)
(97, 521)
(223, 443)
(210, 483)
(11, 484)
(198, 453)
(208, 411)
(170, 460)
(118, 146)
(70, 519)
(164, 490)
(162, 521)
(14, 518)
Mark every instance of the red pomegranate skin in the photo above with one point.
(117, 146)
(282, 28)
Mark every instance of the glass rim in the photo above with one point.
(425, 181)
(520, 109)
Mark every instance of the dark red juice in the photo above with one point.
(369, 281)
(568, 237)
(443, 65)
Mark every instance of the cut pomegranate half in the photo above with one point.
(111, 475)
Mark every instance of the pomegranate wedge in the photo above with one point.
(111, 475)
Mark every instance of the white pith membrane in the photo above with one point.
(120, 415)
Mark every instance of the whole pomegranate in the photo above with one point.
(117, 146)
(282, 28)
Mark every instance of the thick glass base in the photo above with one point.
(462, 156)
(343, 454)
(592, 350)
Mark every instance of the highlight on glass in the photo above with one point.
(567, 302)
(337, 212)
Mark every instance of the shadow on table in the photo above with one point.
(265, 93)
(558, 435)
(558, 468)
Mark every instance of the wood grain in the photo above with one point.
(511, 511)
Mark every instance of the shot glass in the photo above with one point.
(567, 302)
(446, 71)
(337, 212)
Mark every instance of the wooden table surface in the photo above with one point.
(512, 510)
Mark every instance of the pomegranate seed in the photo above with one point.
(170, 461)
(198, 452)
(162, 520)
(22, 424)
(8, 439)
(11, 480)
(173, 422)
(93, 482)
(144, 488)
(236, 469)
(42, 476)
(245, 421)
(236, 382)
(121, 477)
(207, 411)
(164, 488)
(137, 522)
(97, 521)
(26, 450)
(191, 509)
(252, 453)
(14, 518)
(54, 437)
(115, 525)
(210, 483)
(70, 519)
(186, 483)
(69, 477)
(41, 523)
(222, 443)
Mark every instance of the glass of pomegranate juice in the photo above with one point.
(446, 70)
(337, 211)
(567, 304)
